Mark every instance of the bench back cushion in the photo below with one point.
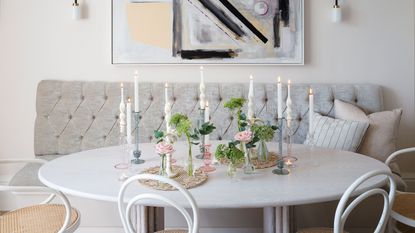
(75, 115)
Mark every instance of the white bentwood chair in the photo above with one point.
(40, 218)
(403, 210)
(125, 210)
(344, 209)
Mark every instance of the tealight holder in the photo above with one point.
(137, 151)
(280, 170)
(202, 138)
(289, 159)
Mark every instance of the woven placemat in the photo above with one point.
(258, 164)
(182, 178)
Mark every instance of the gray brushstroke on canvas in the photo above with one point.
(177, 28)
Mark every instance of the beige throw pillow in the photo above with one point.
(382, 134)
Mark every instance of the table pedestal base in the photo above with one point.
(277, 219)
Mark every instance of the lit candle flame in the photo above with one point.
(201, 68)
(136, 72)
(122, 85)
(207, 104)
(129, 100)
(166, 85)
(311, 91)
(289, 82)
(250, 77)
(279, 79)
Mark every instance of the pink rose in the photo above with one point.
(163, 148)
(244, 136)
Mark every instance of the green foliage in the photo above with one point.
(264, 132)
(237, 104)
(182, 124)
(230, 152)
(159, 135)
(206, 128)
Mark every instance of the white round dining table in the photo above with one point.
(319, 175)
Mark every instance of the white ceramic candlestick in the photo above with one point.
(136, 100)
(311, 111)
(279, 89)
(129, 139)
(207, 112)
(251, 99)
(202, 90)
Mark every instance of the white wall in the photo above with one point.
(39, 40)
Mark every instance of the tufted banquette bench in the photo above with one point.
(72, 116)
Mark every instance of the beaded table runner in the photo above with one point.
(258, 164)
(182, 178)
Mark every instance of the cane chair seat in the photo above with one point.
(402, 228)
(404, 206)
(44, 218)
(172, 231)
(317, 230)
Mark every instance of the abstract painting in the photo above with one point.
(207, 31)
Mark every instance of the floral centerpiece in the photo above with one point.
(265, 133)
(164, 148)
(183, 127)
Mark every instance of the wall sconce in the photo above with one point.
(336, 12)
(76, 10)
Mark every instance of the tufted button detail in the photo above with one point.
(219, 138)
(60, 97)
(70, 117)
(151, 98)
(93, 117)
(105, 97)
(57, 136)
(299, 119)
(197, 98)
(81, 137)
(82, 97)
(140, 117)
(231, 118)
(265, 99)
(174, 98)
(150, 137)
(162, 118)
(104, 137)
(117, 117)
(46, 116)
(355, 100)
(220, 98)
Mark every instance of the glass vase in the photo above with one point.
(248, 166)
(262, 151)
(231, 170)
(189, 162)
(162, 171)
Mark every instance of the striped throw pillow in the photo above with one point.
(336, 133)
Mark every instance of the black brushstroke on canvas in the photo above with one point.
(177, 30)
(284, 7)
(276, 25)
(245, 21)
(228, 22)
(206, 54)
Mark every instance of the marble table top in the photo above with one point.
(91, 174)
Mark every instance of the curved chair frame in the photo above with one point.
(343, 210)
(391, 158)
(125, 210)
(53, 193)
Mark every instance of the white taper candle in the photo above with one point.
(136, 100)
(129, 139)
(167, 107)
(289, 104)
(122, 111)
(279, 89)
(207, 115)
(202, 90)
(251, 99)
(311, 111)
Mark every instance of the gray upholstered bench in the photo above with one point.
(74, 116)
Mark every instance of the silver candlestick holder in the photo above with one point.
(280, 170)
(137, 151)
(202, 146)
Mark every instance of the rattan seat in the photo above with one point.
(317, 230)
(404, 228)
(405, 205)
(172, 231)
(44, 218)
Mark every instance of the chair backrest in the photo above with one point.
(125, 209)
(343, 210)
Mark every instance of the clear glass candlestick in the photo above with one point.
(137, 151)
(200, 122)
(280, 170)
